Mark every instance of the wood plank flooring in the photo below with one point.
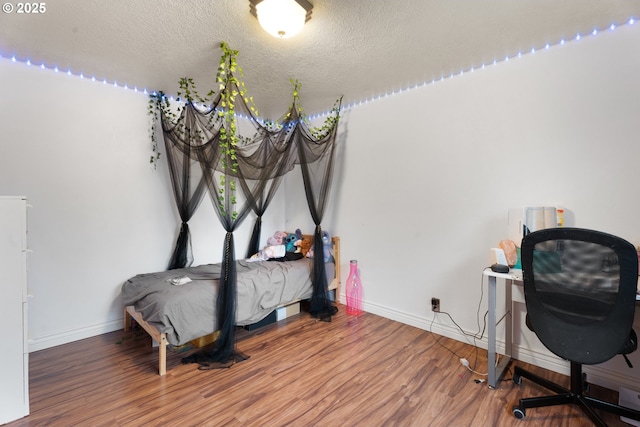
(354, 371)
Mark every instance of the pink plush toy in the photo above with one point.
(277, 239)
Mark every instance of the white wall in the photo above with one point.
(79, 151)
(428, 175)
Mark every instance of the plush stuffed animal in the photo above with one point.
(305, 246)
(305, 243)
(326, 247)
(298, 242)
(277, 238)
(290, 242)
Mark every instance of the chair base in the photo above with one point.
(564, 396)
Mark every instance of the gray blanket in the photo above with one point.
(186, 312)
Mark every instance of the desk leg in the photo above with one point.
(508, 327)
(496, 372)
(491, 334)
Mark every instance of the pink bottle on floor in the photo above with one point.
(354, 290)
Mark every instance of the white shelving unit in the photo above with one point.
(14, 357)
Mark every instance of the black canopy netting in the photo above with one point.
(209, 152)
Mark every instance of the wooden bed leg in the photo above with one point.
(162, 355)
(127, 320)
(160, 338)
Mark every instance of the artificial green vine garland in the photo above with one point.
(229, 139)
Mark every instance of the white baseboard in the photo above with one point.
(74, 335)
(611, 379)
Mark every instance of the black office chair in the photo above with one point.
(580, 288)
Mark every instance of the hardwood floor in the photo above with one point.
(364, 371)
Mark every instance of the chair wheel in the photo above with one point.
(517, 379)
(518, 412)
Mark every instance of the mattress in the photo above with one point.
(187, 311)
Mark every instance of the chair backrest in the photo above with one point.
(580, 288)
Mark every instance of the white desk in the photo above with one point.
(510, 278)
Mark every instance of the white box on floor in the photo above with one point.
(287, 311)
(630, 399)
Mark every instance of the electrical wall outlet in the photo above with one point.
(435, 304)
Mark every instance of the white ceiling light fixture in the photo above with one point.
(281, 18)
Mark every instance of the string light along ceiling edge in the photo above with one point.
(348, 106)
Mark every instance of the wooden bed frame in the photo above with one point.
(161, 338)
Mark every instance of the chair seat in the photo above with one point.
(629, 347)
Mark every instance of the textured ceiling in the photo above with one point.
(358, 48)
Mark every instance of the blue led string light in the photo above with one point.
(354, 104)
(507, 58)
(71, 73)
